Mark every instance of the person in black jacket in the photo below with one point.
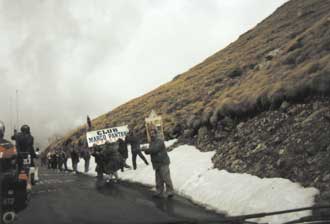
(60, 159)
(86, 155)
(53, 160)
(24, 145)
(122, 148)
(134, 141)
(99, 160)
(161, 164)
(66, 155)
(75, 158)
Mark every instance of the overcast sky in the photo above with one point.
(70, 58)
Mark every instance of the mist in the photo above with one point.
(64, 59)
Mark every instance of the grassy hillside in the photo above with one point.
(285, 57)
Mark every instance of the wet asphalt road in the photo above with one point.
(67, 198)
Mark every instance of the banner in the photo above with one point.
(100, 137)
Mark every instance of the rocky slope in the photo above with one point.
(261, 102)
(292, 142)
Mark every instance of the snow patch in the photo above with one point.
(235, 194)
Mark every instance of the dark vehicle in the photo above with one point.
(14, 183)
(8, 182)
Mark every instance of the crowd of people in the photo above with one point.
(109, 157)
(58, 158)
(112, 157)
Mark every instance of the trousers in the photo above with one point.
(134, 155)
(163, 179)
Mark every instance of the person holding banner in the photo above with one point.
(134, 141)
(97, 153)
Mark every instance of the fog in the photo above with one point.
(64, 59)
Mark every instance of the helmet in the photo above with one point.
(25, 129)
(2, 128)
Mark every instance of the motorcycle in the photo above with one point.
(26, 172)
(16, 190)
(17, 187)
(8, 192)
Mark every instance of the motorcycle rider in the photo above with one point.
(7, 175)
(25, 149)
(24, 142)
(7, 149)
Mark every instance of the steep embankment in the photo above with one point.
(283, 58)
(268, 79)
(292, 142)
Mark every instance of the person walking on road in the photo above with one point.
(37, 164)
(97, 153)
(60, 159)
(66, 155)
(54, 160)
(86, 155)
(134, 141)
(74, 158)
(122, 149)
(161, 164)
(49, 160)
(112, 159)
